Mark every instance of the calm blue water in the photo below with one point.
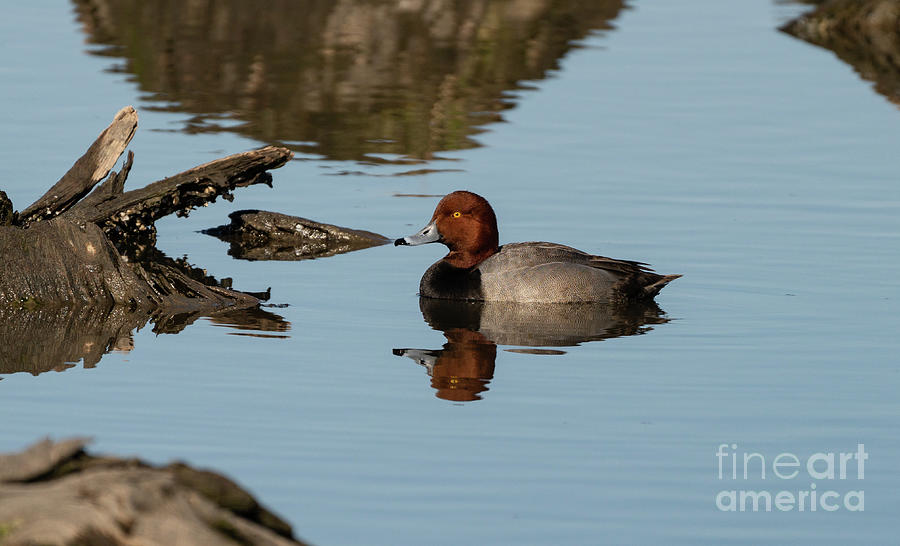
(693, 136)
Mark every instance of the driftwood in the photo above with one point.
(56, 493)
(129, 217)
(75, 249)
(91, 168)
(88, 251)
(263, 235)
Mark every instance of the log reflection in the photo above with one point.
(58, 338)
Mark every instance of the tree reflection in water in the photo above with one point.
(347, 79)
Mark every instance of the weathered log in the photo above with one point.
(110, 188)
(91, 168)
(128, 218)
(60, 262)
(57, 493)
(88, 254)
(65, 260)
(264, 235)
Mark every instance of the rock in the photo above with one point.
(54, 493)
(6, 210)
(39, 459)
(263, 235)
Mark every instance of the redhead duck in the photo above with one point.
(478, 268)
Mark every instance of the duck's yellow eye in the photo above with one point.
(457, 214)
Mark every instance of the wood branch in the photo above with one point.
(128, 219)
(111, 188)
(195, 187)
(94, 253)
(91, 168)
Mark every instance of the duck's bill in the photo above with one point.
(425, 357)
(428, 234)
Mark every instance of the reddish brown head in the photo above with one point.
(466, 223)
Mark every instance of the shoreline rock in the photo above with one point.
(55, 493)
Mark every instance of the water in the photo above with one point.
(692, 136)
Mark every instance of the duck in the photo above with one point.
(478, 268)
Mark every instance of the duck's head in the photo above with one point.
(465, 222)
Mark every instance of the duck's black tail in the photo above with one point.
(660, 281)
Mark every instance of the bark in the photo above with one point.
(128, 218)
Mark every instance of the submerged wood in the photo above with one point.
(57, 493)
(264, 235)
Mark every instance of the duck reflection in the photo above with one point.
(463, 368)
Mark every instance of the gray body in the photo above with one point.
(538, 272)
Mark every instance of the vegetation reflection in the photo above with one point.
(347, 79)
